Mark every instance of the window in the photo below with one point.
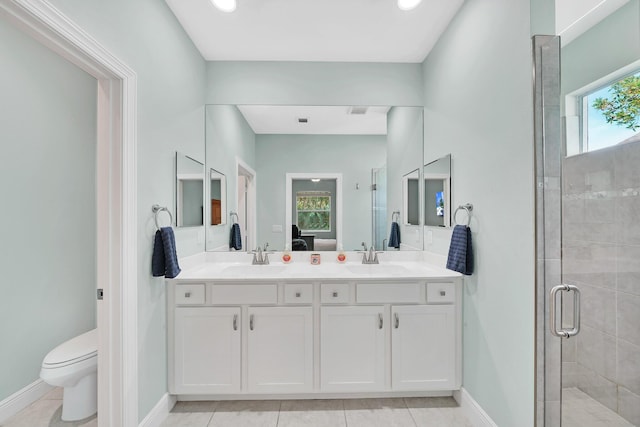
(611, 114)
(313, 210)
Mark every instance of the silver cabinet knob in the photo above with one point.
(298, 294)
(335, 294)
(187, 294)
(442, 293)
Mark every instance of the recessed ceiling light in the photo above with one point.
(408, 4)
(225, 5)
(315, 179)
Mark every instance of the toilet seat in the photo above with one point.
(75, 350)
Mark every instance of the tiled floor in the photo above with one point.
(407, 412)
(46, 412)
(580, 410)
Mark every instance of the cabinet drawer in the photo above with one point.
(336, 293)
(189, 294)
(244, 294)
(298, 294)
(388, 292)
(441, 293)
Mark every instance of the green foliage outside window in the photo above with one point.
(314, 212)
(623, 106)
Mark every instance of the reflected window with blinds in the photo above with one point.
(313, 210)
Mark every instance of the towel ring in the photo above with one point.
(467, 207)
(232, 214)
(156, 210)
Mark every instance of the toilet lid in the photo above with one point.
(79, 348)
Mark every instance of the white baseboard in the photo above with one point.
(23, 398)
(472, 410)
(159, 412)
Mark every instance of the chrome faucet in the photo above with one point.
(369, 256)
(260, 256)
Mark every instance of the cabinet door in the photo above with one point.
(280, 349)
(423, 347)
(352, 353)
(207, 350)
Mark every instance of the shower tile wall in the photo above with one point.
(601, 255)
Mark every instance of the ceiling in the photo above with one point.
(574, 17)
(322, 120)
(315, 30)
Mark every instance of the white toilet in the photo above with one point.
(74, 366)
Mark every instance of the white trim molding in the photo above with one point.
(472, 409)
(116, 200)
(23, 398)
(159, 413)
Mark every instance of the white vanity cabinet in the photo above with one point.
(280, 349)
(423, 343)
(206, 350)
(352, 348)
(314, 337)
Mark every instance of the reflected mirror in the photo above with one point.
(369, 147)
(411, 198)
(189, 191)
(437, 192)
(218, 197)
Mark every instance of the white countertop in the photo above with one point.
(240, 268)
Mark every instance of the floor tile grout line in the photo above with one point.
(404, 400)
(344, 413)
(279, 410)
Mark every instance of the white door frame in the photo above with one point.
(116, 201)
(288, 213)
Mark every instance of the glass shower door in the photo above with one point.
(379, 207)
(588, 263)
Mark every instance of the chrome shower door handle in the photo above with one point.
(561, 332)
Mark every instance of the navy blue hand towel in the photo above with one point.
(394, 237)
(460, 253)
(157, 259)
(164, 261)
(235, 240)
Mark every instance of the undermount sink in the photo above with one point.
(253, 269)
(376, 269)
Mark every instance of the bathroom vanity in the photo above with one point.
(239, 331)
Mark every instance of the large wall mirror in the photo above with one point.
(328, 176)
(189, 191)
(437, 192)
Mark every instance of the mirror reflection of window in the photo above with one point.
(189, 191)
(313, 211)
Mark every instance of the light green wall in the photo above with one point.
(313, 83)
(171, 76)
(352, 155)
(48, 134)
(605, 48)
(229, 137)
(405, 130)
(478, 107)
